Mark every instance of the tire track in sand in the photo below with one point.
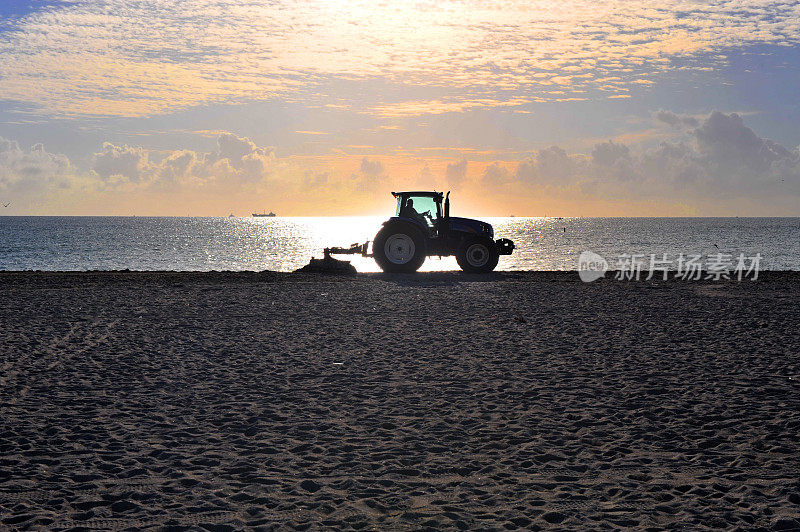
(57, 352)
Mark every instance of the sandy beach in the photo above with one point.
(220, 401)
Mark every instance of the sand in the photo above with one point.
(223, 401)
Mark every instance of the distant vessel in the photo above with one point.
(264, 214)
(231, 215)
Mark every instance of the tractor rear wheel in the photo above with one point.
(399, 248)
(477, 255)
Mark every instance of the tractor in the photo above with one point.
(422, 227)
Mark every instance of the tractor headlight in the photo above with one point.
(487, 229)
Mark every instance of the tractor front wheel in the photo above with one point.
(399, 248)
(477, 255)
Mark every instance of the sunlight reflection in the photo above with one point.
(286, 244)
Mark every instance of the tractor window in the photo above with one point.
(426, 207)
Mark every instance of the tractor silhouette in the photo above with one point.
(422, 227)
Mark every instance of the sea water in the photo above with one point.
(285, 244)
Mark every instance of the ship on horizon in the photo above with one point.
(264, 214)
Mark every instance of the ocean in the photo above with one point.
(285, 244)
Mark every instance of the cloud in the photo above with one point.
(675, 120)
(235, 159)
(241, 158)
(317, 179)
(551, 166)
(722, 157)
(176, 165)
(234, 148)
(438, 107)
(721, 160)
(372, 175)
(608, 153)
(455, 172)
(370, 168)
(34, 169)
(120, 161)
(726, 140)
(496, 175)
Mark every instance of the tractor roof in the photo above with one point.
(432, 194)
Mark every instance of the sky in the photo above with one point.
(312, 107)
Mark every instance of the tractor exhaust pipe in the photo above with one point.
(447, 205)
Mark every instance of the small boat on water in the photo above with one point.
(264, 214)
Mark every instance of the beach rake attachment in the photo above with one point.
(328, 264)
(354, 249)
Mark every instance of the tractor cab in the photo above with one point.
(423, 208)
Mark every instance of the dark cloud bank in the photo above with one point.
(721, 157)
(235, 158)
